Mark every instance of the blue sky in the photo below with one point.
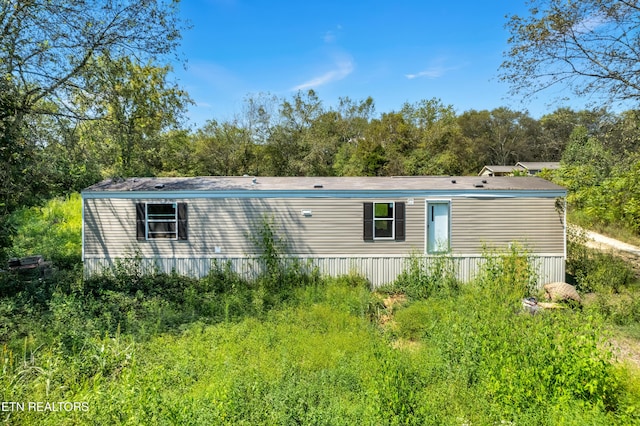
(393, 51)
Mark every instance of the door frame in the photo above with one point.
(427, 218)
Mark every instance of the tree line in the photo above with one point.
(141, 135)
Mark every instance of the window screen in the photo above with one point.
(161, 220)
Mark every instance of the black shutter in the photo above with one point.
(183, 231)
(368, 222)
(400, 228)
(140, 221)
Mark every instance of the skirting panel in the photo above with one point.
(378, 270)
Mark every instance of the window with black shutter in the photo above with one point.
(384, 221)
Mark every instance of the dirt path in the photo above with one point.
(602, 242)
(628, 252)
(627, 349)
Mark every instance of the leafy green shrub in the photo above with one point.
(272, 251)
(621, 309)
(506, 277)
(520, 363)
(415, 321)
(223, 279)
(550, 360)
(151, 301)
(53, 230)
(426, 277)
(127, 276)
(592, 270)
(30, 287)
(627, 312)
(279, 274)
(601, 192)
(606, 273)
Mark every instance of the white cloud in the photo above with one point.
(429, 73)
(329, 37)
(332, 35)
(342, 68)
(589, 24)
(437, 70)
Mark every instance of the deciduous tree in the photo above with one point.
(587, 46)
(136, 105)
(224, 149)
(47, 46)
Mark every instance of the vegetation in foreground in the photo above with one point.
(292, 347)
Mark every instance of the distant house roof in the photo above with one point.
(499, 170)
(318, 186)
(538, 166)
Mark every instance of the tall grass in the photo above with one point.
(290, 347)
(321, 358)
(426, 277)
(593, 270)
(545, 369)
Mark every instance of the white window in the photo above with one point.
(161, 221)
(384, 221)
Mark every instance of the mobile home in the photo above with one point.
(367, 225)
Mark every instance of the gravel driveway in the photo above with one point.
(605, 243)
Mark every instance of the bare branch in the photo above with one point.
(588, 46)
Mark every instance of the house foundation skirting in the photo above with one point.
(378, 270)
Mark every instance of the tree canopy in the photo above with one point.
(47, 45)
(591, 47)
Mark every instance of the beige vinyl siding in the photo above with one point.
(331, 239)
(109, 227)
(222, 228)
(335, 228)
(533, 222)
